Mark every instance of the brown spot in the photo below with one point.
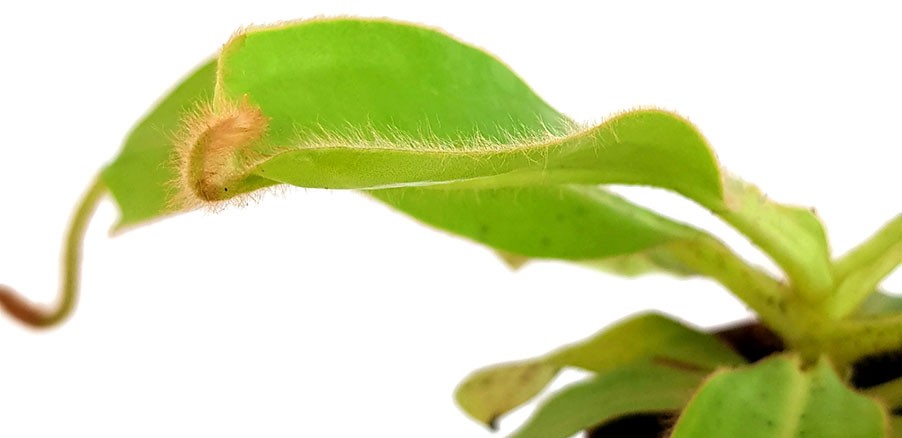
(679, 364)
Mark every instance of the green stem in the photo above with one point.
(758, 290)
(861, 270)
(872, 249)
(36, 316)
(861, 283)
(791, 236)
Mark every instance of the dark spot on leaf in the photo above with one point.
(545, 241)
(528, 374)
(225, 189)
(483, 230)
(678, 364)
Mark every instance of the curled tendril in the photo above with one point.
(37, 316)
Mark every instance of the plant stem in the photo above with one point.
(36, 316)
(871, 249)
(762, 293)
(861, 270)
(791, 236)
(861, 283)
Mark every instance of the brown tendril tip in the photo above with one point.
(26, 312)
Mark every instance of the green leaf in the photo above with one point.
(491, 392)
(565, 222)
(632, 389)
(415, 121)
(376, 104)
(140, 176)
(351, 56)
(647, 336)
(390, 104)
(640, 147)
(776, 398)
(396, 105)
(366, 78)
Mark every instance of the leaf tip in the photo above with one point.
(513, 261)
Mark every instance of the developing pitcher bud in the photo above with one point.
(215, 151)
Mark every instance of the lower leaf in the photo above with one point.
(633, 389)
(777, 398)
(488, 393)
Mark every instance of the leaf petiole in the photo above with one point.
(885, 238)
(762, 293)
(861, 270)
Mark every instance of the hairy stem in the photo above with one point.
(38, 316)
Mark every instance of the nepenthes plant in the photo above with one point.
(446, 133)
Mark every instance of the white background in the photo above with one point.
(326, 314)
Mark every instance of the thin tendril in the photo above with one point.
(37, 316)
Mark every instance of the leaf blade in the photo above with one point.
(139, 176)
(487, 145)
(564, 222)
(634, 389)
(364, 104)
(487, 394)
(775, 398)
(641, 339)
(646, 337)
